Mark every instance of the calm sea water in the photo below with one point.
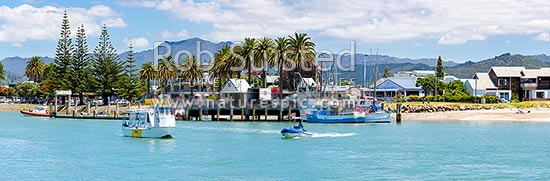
(62, 149)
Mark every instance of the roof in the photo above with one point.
(507, 71)
(534, 73)
(235, 86)
(378, 82)
(483, 81)
(448, 79)
(423, 73)
(329, 88)
(408, 83)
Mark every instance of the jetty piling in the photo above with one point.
(398, 113)
(116, 110)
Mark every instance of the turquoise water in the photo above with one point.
(62, 149)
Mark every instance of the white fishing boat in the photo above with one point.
(149, 123)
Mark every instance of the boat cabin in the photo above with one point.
(149, 118)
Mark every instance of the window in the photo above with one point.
(502, 81)
(540, 94)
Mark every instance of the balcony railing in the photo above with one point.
(528, 85)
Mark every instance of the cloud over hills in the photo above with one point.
(450, 22)
(25, 22)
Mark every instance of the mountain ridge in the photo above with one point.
(16, 65)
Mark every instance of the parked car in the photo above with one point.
(38, 101)
(4, 99)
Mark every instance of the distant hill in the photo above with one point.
(467, 69)
(464, 70)
(385, 59)
(15, 66)
(541, 57)
(357, 74)
(189, 45)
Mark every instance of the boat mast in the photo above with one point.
(375, 74)
(336, 74)
(365, 69)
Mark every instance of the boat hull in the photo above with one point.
(147, 132)
(335, 119)
(378, 118)
(28, 113)
(290, 133)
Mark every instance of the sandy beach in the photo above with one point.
(496, 115)
(16, 107)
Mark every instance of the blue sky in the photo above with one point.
(456, 30)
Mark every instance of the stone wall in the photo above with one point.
(440, 108)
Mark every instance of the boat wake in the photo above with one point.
(234, 130)
(262, 131)
(332, 135)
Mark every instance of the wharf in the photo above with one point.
(244, 114)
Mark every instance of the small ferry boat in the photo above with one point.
(149, 123)
(40, 111)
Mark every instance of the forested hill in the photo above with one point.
(468, 69)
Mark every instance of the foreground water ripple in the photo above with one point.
(60, 149)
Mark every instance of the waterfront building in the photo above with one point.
(528, 84)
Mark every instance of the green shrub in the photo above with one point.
(490, 99)
(414, 98)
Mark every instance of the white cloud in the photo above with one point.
(450, 22)
(544, 36)
(138, 3)
(169, 35)
(460, 37)
(25, 22)
(139, 42)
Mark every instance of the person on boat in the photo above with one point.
(299, 126)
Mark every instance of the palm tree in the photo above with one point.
(264, 48)
(281, 48)
(147, 72)
(35, 69)
(166, 71)
(223, 62)
(248, 53)
(193, 70)
(303, 53)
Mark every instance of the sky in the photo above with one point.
(465, 30)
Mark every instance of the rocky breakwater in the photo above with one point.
(441, 108)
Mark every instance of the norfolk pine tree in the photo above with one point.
(63, 57)
(107, 70)
(79, 68)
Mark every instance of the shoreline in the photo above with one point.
(541, 115)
